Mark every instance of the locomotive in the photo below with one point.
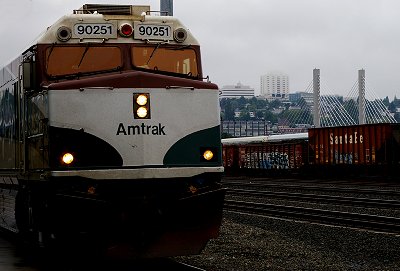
(110, 136)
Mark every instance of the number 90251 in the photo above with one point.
(94, 30)
(153, 31)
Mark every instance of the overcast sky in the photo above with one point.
(242, 40)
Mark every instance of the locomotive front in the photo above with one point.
(123, 137)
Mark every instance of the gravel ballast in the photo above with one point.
(249, 242)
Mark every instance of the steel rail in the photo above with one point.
(187, 267)
(354, 220)
(316, 188)
(339, 200)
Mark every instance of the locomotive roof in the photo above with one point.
(117, 14)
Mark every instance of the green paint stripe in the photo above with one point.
(187, 151)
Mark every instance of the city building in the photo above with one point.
(237, 91)
(275, 86)
(247, 128)
(307, 96)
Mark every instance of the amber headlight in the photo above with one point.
(208, 155)
(67, 158)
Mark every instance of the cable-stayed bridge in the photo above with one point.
(360, 106)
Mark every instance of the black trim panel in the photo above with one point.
(88, 150)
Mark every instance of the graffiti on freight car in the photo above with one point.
(276, 160)
(272, 160)
(345, 158)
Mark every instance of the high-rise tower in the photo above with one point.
(274, 86)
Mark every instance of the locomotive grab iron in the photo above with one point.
(111, 134)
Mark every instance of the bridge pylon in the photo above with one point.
(316, 97)
(361, 96)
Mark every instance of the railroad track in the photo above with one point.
(353, 220)
(324, 199)
(369, 181)
(163, 265)
(187, 267)
(146, 265)
(317, 188)
(247, 196)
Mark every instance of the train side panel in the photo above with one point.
(8, 115)
(10, 156)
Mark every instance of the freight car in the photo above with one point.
(360, 149)
(110, 136)
(349, 150)
(265, 153)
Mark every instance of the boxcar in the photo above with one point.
(265, 153)
(359, 148)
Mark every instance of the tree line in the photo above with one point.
(286, 113)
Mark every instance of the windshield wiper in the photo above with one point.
(83, 56)
(180, 48)
(152, 53)
(51, 51)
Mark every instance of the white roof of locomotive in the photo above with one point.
(50, 35)
(264, 139)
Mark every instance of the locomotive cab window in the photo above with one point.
(81, 59)
(167, 59)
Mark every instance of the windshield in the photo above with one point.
(168, 59)
(81, 59)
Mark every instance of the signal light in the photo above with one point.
(141, 106)
(67, 158)
(126, 30)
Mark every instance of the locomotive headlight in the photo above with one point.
(208, 155)
(141, 105)
(142, 112)
(141, 99)
(67, 158)
(180, 35)
(64, 33)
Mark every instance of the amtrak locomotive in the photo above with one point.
(110, 136)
